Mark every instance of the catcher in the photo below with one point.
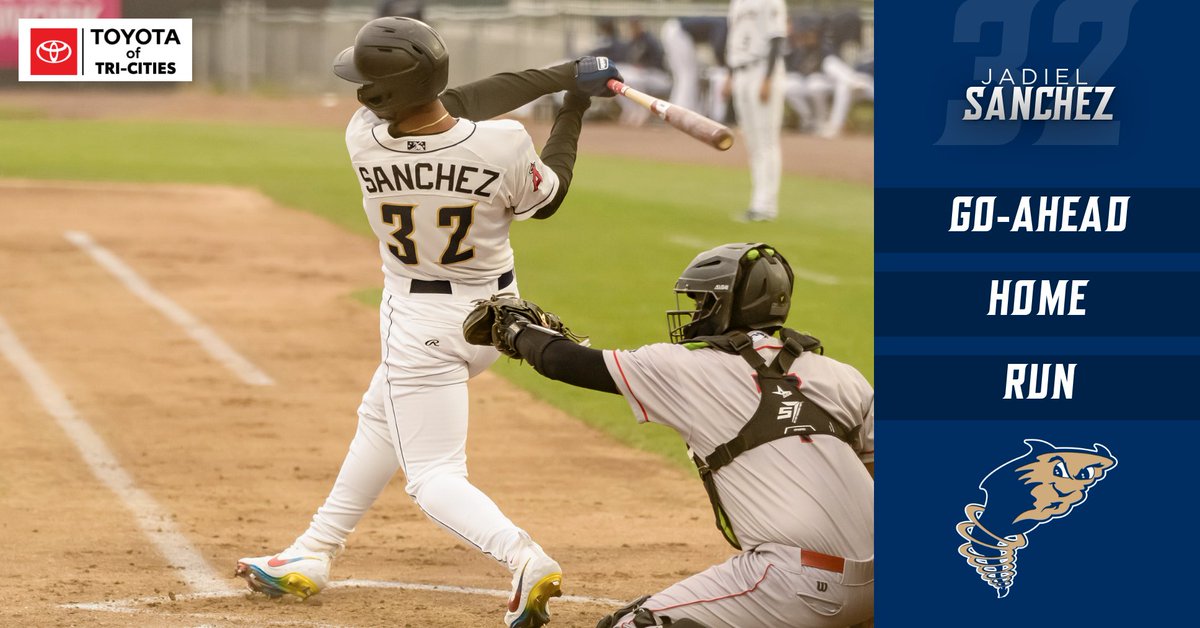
(783, 438)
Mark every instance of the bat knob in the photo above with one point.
(723, 140)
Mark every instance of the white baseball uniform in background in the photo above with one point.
(822, 98)
(752, 26)
(679, 50)
(441, 206)
(681, 40)
(783, 497)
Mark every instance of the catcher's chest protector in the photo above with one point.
(783, 412)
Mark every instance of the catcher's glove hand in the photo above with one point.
(498, 319)
(592, 74)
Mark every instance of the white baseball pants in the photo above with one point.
(680, 53)
(761, 123)
(769, 587)
(414, 418)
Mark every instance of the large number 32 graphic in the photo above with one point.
(1015, 18)
(457, 217)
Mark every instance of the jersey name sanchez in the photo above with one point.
(815, 495)
(441, 205)
(752, 26)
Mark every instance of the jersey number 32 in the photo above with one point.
(457, 218)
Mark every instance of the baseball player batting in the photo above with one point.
(440, 191)
(782, 435)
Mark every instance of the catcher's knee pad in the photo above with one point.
(644, 617)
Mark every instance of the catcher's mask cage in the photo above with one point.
(734, 286)
(400, 62)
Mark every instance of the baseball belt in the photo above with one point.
(854, 572)
(817, 560)
(441, 286)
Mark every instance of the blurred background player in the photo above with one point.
(414, 9)
(642, 63)
(820, 86)
(440, 191)
(795, 495)
(757, 31)
(644, 66)
(682, 39)
(609, 42)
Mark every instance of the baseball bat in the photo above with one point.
(704, 129)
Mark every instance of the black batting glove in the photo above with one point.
(576, 101)
(592, 75)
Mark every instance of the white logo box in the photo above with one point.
(110, 50)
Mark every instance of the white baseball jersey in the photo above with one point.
(441, 205)
(815, 495)
(752, 25)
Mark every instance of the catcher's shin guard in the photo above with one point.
(644, 617)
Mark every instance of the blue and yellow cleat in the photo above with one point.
(538, 580)
(293, 571)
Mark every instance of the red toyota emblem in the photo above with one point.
(53, 51)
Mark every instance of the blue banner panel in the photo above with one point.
(965, 220)
(1038, 304)
(928, 54)
(1076, 387)
(1038, 345)
(1107, 562)
(1035, 262)
(1023, 427)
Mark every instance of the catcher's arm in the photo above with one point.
(522, 330)
(552, 355)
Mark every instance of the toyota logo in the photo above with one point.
(53, 51)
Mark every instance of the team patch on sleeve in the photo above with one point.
(535, 176)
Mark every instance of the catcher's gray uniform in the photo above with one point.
(780, 435)
(803, 508)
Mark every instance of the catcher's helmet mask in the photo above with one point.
(400, 62)
(734, 286)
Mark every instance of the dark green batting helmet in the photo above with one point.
(735, 286)
(400, 62)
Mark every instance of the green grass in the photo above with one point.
(11, 112)
(606, 263)
(299, 167)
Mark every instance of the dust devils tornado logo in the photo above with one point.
(1045, 483)
(53, 51)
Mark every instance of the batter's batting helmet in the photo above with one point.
(735, 286)
(400, 62)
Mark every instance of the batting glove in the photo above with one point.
(592, 75)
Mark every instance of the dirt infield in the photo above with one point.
(240, 468)
(850, 158)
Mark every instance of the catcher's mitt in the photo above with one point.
(498, 319)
